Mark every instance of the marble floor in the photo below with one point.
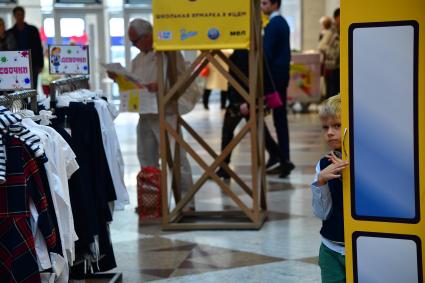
(285, 249)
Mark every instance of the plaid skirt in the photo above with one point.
(18, 259)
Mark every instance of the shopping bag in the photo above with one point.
(149, 193)
(205, 72)
(273, 100)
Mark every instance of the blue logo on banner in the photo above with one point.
(165, 35)
(185, 35)
(213, 33)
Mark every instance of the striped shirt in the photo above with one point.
(10, 124)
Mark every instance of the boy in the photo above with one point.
(327, 195)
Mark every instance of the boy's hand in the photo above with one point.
(333, 171)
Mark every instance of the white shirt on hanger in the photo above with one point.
(112, 152)
(60, 166)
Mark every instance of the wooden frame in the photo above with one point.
(170, 88)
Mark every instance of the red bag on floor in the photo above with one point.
(149, 193)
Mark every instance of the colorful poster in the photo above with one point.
(69, 59)
(203, 25)
(15, 70)
(304, 84)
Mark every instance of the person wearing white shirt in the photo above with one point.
(144, 66)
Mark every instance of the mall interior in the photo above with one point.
(285, 248)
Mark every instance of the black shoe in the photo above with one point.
(223, 174)
(272, 163)
(286, 169)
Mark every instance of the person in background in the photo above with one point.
(328, 195)
(237, 110)
(28, 38)
(7, 40)
(325, 25)
(277, 57)
(332, 60)
(215, 80)
(324, 40)
(144, 66)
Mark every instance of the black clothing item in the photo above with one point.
(241, 59)
(206, 98)
(29, 39)
(51, 208)
(223, 99)
(8, 42)
(87, 137)
(277, 50)
(280, 121)
(232, 117)
(85, 223)
(333, 227)
(332, 78)
(94, 189)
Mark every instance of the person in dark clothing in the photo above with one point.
(7, 39)
(28, 38)
(234, 115)
(277, 54)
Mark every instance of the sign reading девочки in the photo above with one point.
(15, 70)
(69, 59)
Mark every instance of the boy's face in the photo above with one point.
(331, 127)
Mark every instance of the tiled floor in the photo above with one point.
(284, 250)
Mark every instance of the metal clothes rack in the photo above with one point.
(66, 85)
(8, 99)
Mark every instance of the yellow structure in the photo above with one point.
(383, 92)
(201, 25)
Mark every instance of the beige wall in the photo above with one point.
(312, 10)
(331, 5)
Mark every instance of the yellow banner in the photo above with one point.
(201, 24)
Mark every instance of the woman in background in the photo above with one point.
(7, 40)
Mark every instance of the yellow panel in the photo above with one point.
(367, 11)
(203, 24)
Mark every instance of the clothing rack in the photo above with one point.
(58, 87)
(8, 99)
(66, 85)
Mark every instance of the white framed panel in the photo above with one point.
(387, 258)
(383, 121)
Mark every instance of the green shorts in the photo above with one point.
(332, 265)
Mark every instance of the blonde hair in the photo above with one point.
(331, 107)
